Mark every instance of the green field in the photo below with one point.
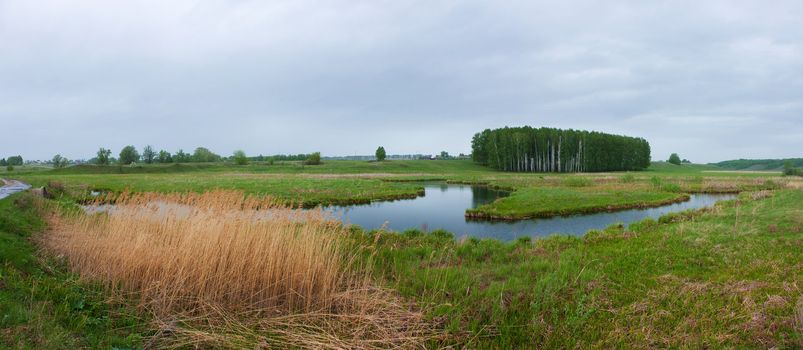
(725, 277)
(348, 182)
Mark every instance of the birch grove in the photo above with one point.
(527, 149)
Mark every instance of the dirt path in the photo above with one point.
(12, 186)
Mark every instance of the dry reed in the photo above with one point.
(219, 269)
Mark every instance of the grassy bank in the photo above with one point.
(726, 277)
(42, 304)
(540, 202)
(356, 182)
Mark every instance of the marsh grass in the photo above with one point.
(223, 270)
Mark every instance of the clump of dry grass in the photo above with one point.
(223, 270)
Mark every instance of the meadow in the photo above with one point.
(729, 276)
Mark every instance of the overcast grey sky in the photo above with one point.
(711, 80)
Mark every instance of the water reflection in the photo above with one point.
(443, 206)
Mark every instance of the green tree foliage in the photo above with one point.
(103, 156)
(164, 157)
(313, 159)
(59, 161)
(445, 155)
(3, 162)
(148, 154)
(790, 170)
(10, 168)
(284, 157)
(15, 160)
(240, 158)
(380, 153)
(182, 157)
(674, 159)
(527, 149)
(128, 155)
(203, 155)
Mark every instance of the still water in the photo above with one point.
(443, 206)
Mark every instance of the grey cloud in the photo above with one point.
(416, 76)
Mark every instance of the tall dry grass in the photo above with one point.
(222, 270)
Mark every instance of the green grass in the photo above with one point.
(727, 277)
(42, 306)
(533, 202)
(352, 182)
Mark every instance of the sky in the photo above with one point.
(711, 80)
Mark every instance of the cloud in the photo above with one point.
(416, 76)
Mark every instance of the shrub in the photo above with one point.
(204, 155)
(10, 168)
(674, 159)
(240, 158)
(313, 159)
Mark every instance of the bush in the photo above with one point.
(240, 158)
(10, 168)
(674, 159)
(313, 159)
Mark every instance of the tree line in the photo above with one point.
(11, 161)
(130, 154)
(528, 149)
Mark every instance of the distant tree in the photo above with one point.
(3, 162)
(15, 160)
(103, 156)
(128, 155)
(313, 159)
(204, 155)
(380, 153)
(181, 157)
(674, 159)
(240, 158)
(685, 161)
(790, 170)
(445, 155)
(59, 161)
(164, 157)
(148, 154)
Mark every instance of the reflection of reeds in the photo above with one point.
(218, 269)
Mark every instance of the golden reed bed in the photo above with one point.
(219, 269)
